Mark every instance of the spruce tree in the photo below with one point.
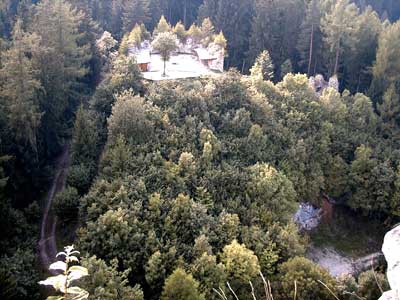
(263, 67)
(162, 27)
(20, 86)
(61, 62)
(310, 45)
(181, 286)
(135, 12)
(338, 25)
(387, 65)
(389, 112)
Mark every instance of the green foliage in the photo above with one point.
(263, 67)
(132, 118)
(306, 274)
(165, 43)
(135, 12)
(272, 192)
(181, 286)
(385, 70)
(66, 204)
(21, 86)
(371, 283)
(372, 181)
(195, 33)
(207, 32)
(8, 286)
(155, 271)
(269, 18)
(181, 32)
(162, 27)
(106, 282)
(338, 25)
(189, 167)
(62, 283)
(124, 75)
(220, 40)
(389, 112)
(85, 139)
(19, 269)
(209, 273)
(241, 265)
(60, 60)
(395, 203)
(80, 177)
(286, 68)
(234, 18)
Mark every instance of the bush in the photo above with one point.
(368, 285)
(181, 286)
(80, 177)
(306, 274)
(66, 203)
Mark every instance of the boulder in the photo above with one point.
(391, 250)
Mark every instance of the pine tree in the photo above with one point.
(276, 27)
(337, 26)
(233, 17)
(162, 27)
(195, 34)
(286, 68)
(220, 40)
(181, 286)
(387, 66)
(241, 265)
(360, 51)
(207, 31)
(389, 112)
(61, 62)
(134, 12)
(180, 32)
(263, 67)
(85, 138)
(20, 86)
(310, 43)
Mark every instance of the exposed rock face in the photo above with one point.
(307, 216)
(391, 250)
(318, 83)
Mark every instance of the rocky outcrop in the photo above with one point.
(318, 83)
(391, 250)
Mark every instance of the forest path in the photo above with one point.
(47, 244)
(338, 264)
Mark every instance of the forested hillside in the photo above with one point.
(177, 187)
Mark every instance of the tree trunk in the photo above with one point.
(337, 58)
(164, 74)
(311, 49)
(184, 12)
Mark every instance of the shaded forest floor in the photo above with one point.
(350, 233)
(348, 243)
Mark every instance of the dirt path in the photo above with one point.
(338, 264)
(47, 244)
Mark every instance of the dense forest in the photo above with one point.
(176, 187)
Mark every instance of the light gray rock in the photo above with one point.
(391, 250)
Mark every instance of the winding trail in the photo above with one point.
(47, 245)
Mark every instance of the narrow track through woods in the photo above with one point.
(47, 246)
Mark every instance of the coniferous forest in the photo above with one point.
(187, 189)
